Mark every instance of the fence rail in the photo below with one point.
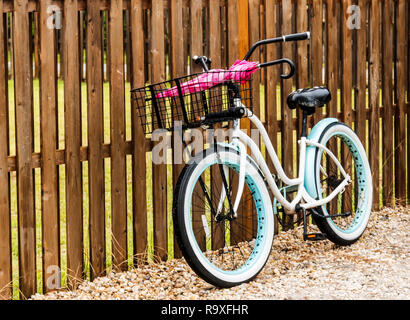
(78, 193)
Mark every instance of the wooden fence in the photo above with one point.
(76, 188)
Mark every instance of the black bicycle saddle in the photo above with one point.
(309, 98)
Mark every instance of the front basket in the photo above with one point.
(183, 101)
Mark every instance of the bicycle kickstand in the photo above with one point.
(310, 236)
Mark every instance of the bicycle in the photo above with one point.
(223, 212)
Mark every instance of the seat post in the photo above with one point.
(304, 123)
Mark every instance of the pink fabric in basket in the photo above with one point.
(240, 71)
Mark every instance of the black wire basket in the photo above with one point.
(182, 102)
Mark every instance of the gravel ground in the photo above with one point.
(375, 267)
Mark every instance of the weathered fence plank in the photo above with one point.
(249, 219)
(159, 172)
(332, 56)
(407, 31)
(118, 165)
(215, 52)
(361, 100)
(287, 113)
(254, 35)
(400, 115)
(332, 76)
(317, 47)
(72, 49)
(138, 137)
(374, 93)
(347, 84)
(24, 130)
(5, 226)
(272, 77)
(49, 174)
(95, 139)
(196, 41)
(302, 46)
(387, 100)
(347, 79)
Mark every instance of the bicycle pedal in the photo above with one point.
(314, 236)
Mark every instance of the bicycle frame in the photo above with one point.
(241, 140)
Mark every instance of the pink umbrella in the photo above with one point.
(240, 71)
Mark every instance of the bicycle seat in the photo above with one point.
(309, 98)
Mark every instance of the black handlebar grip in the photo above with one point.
(226, 115)
(297, 37)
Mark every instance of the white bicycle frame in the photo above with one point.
(241, 140)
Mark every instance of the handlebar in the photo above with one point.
(286, 38)
(205, 62)
(280, 61)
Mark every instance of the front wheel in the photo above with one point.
(224, 247)
(356, 200)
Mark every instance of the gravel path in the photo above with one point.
(375, 267)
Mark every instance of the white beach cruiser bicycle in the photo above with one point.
(223, 211)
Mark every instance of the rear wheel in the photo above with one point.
(223, 247)
(356, 199)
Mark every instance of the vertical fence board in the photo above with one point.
(347, 78)
(374, 93)
(215, 54)
(360, 124)
(408, 97)
(196, 42)
(332, 74)
(178, 70)
(302, 46)
(272, 76)
(317, 50)
(287, 113)
(49, 175)
(74, 205)
(347, 64)
(254, 35)
(138, 137)
(215, 33)
(159, 172)
(400, 119)
(249, 220)
(118, 165)
(333, 58)
(232, 30)
(233, 54)
(5, 226)
(95, 139)
(302, 60)
(387, 99)
(24, 130)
